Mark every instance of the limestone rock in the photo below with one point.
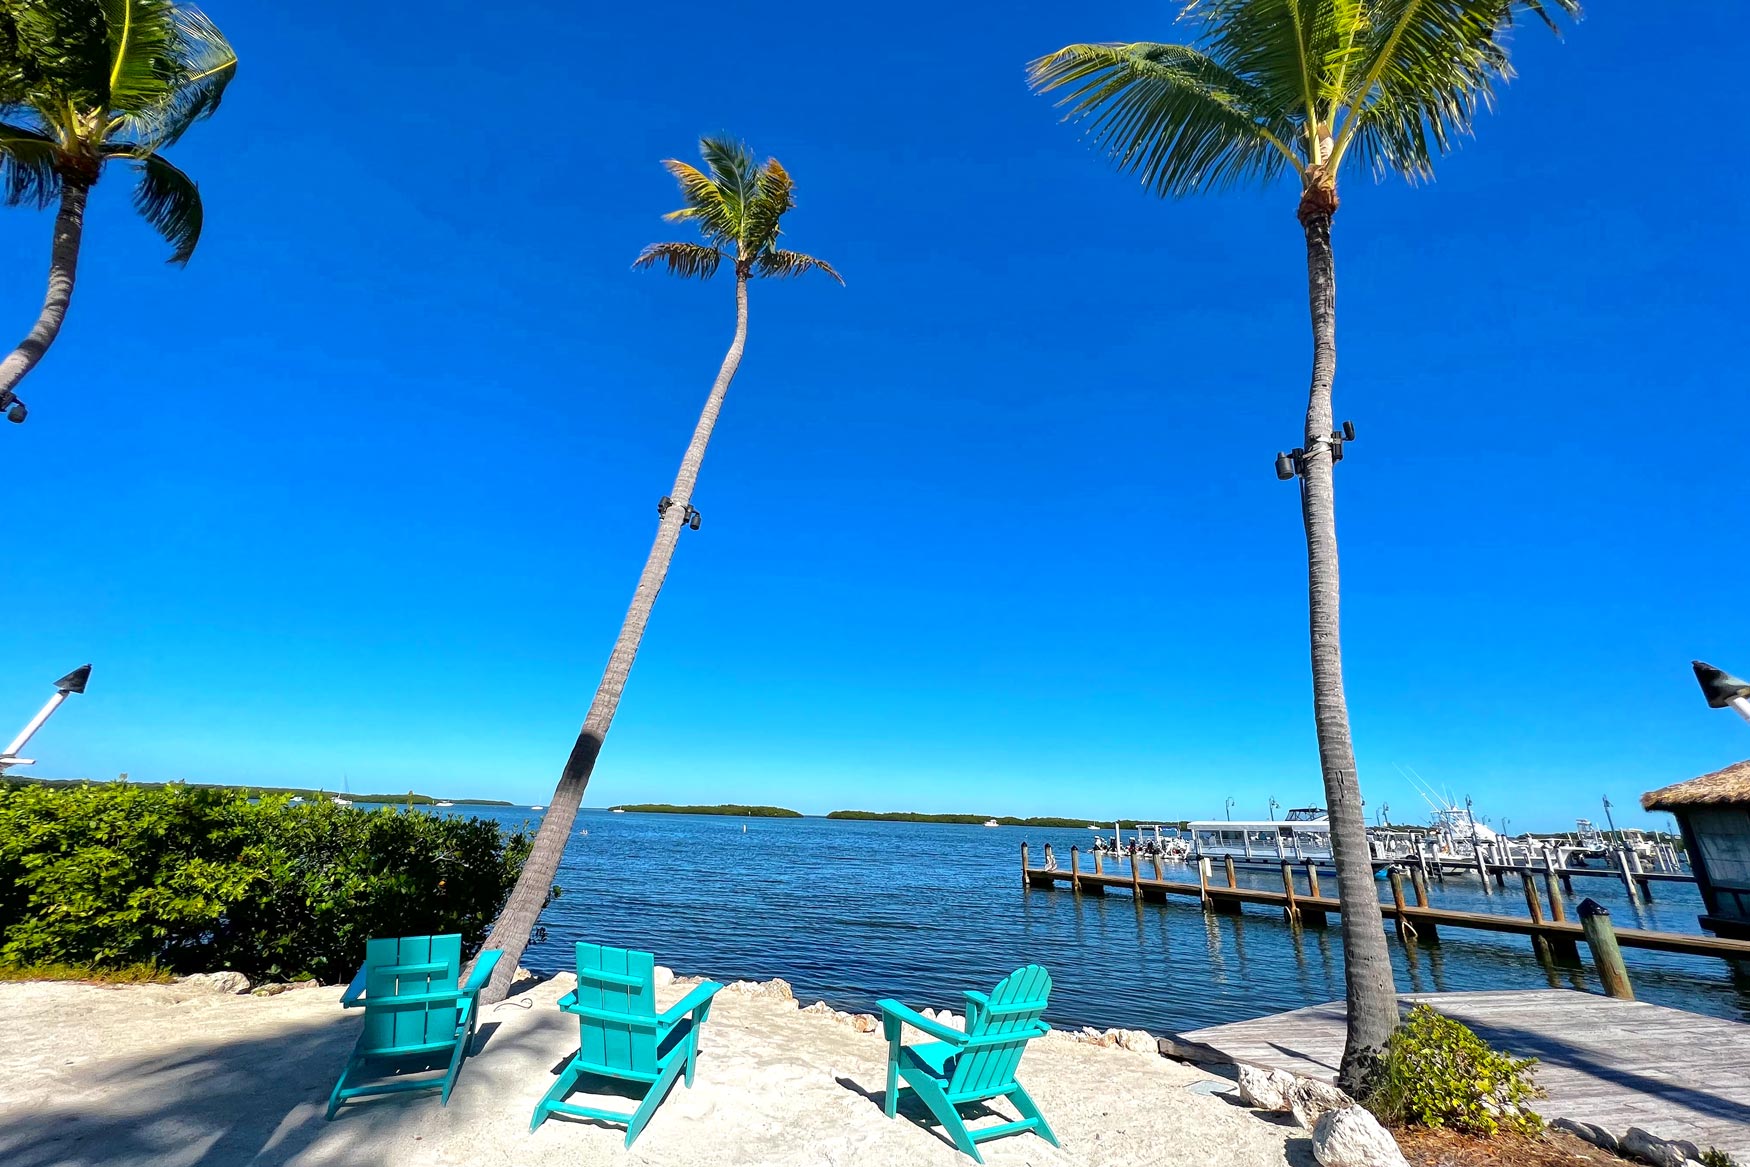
(775, 989)
(270, 990)
(819, 1007)
(1311, 1100)
(217, 982)
(1587, 1132)
(1138, 1041)
(662, 976)
(1348, 1136)
(311, 983)
(865, 1023)
(1265, 1089)
(1650, 1148)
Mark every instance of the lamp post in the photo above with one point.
(1273, 805)
(73, 682)
(1722, 689)
(1230, 810)
(1609, 821)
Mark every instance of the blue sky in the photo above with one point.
(364, 490)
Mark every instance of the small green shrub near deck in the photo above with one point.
(132, 974)
(1437, 1073)
(194, 879)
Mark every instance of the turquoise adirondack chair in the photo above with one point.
(624, 1037)
(977, 1065)
(416, 1018)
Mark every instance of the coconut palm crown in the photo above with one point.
(88, 82)
(737, 207)
(1268, 86)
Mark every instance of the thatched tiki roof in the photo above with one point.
(1731, 785)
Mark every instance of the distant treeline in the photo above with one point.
(408, 799)
(728, 808)
(905, 816)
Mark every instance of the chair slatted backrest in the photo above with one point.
(1015, 1007)
(409, 966)
(617, 988)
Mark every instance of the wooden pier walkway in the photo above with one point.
(1614, 1063)
(1553, 933)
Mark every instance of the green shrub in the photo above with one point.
(1714, 1157)
(1435, 1072)
(196, 879)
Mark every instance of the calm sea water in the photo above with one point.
(849, 912)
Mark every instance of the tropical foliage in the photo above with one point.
(738, 208)
(195, 879)
(1264, 87)
(1438, 1073)
(84, 83)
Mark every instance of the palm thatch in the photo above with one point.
(1722, 787)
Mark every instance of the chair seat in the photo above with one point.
(935, 1057)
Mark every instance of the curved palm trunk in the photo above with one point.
(1367, 973)
(510, 932)
(63, 265)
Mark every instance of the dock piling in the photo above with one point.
(1419, 882)
(1406, 930)
(1203, 881)
(1075, 871)
(1312, 880)
(1023, 863)
(1606, 954)
(1628, 876)
(1233, 879)
(1534, 906)
(1135, 874)
(1290, 909)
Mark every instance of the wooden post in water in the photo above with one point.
(1634, 859)
(1135, 874)
(1482, 865)
(1023, 863)
(1535, 907)
(1406, 930)
(1290, 909)
(1419, 882)
(1075, 871)
(1050, 859)
(1606, 955)
(1312, 880)
(1099, 869)
(1160, 869)
(1628, 877)
(1203, 881)
(1232, 879)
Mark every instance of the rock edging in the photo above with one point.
(1634, 1143)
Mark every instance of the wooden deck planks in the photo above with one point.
(1614, 1063)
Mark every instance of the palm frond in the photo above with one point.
(705, 205)
(202, 64)
(142, 52)
(28, 172)
(1428, 68)
(687, 260)
(1169, 113)
(55, 54)
(169, 200)
(732, 169)
(774, 196)
(785, 264)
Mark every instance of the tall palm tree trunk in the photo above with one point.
(1367, 974)
(510, 932)
(63, 266)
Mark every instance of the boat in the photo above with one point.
(1304, 836)
(296, 798)
(443, 804)
(619, 810)
(992, 823)
(537, 808)
(338, 801)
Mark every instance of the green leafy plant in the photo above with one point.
(1714, 1157)
(1437, 1073)
(193, 879)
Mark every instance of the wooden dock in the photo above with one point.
(1614, 1063)
(1552, 934)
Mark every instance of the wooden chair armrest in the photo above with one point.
(568, 1000)
(892, 1011)
(1037, 1029)
(692, 1002)
(405, 999)
(355, 990)
(483, 966)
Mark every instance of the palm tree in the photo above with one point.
(84, 83)
(737, 206)
(1262, 88)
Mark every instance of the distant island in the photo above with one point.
(901, 816)
(407, 799)
(728, 808)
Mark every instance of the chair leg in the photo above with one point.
(456, 1056)
(335, 1097)
(658, 1091)
(692, 1056)
(890, 1100)
(555, 1093)
(930, 1091)
(1029, 1110)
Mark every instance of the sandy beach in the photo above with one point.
(174, 1077)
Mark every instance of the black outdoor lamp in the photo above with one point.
(1722, 689)
(1293, 463)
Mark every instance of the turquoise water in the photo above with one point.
(850, 912)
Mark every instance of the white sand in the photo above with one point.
(164, 1076)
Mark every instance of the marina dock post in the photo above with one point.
(1290, 909)
(1640, 870)
(1628, 877)
(1312, 880)
(1534, 906)
(1023, 863)
(1482, 866)
(1075, 871)
(1160, 869)
(1406, 930)
(1419, 882)
(1203, 881)
(1099, 868)
(1233, 880)
(1050, 859)
(1135, 873)
(1606, 954)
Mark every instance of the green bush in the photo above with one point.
(196, 879)
(1714, 1157)
(1435, 1072)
